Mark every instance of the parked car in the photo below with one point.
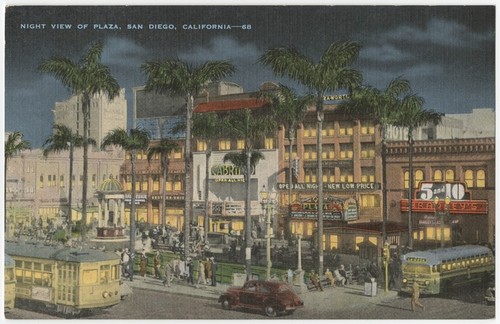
(272, 297)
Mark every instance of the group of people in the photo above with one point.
(339, 276)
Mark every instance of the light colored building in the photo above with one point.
(480, 123)
(105, 115)
(38, 187)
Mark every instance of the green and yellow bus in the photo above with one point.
(439, 269)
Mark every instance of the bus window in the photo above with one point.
(114, 272)
(37, 276)
(104, 274)
(89, 276)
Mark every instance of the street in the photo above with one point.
(334, 303)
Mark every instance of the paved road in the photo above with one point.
(334, 303)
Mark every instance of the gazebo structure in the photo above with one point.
(111, 199)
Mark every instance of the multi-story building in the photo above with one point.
(462, 170)
(39, 186)
(104, 115)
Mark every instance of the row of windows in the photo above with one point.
(176, 154)
(346, 175)
(52, 180)
(345, 129)
(225, 145)
(333, 242)
(173, 183)
(463, 263)
(328, 151)
(473, 178)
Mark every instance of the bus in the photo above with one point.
(439, 269)
(66, 279)
(9, 282)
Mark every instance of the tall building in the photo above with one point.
(104, 115)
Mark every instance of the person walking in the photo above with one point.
(169, 269)
(201, 274)
(208, 271)
(143, 264)
(190, 268)
(157, 264)
(213, 266)
(415, 297)
(289, 276)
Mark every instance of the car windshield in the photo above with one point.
(283, 288)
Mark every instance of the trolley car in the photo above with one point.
(9, 282)
(69, 279)
(437, 270)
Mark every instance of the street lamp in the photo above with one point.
(268, 203)
(436, 206)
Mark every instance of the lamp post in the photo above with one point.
(436, 206)
(447, 205)
(268, 203)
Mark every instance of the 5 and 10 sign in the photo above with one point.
(441, 190)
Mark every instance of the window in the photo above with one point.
(373, 239)
(310, 130)
(328, 129)
(240, 144)
(89, 277)
(345, 128)
(370, 201)
(224, 145)
(310, 176)
(144, 183)
(61, 181)
(367, 127)
(419, 176)
(156, 183)
(40, 183)
(346, 151)
(449, 175)
(346, 175)
(201, 145)
(324, 242)
(178, 152)
(328, 152)
(287, 152)
(328, 175)
(469, 178)
(139, 155)
(93, 180)
(481, 179)
(105, 274)
(367, 150)
(310, 152)
(174, 183)
(269, 143)
(438, 175)
(334, 241)
(358, 239)
(367, 174)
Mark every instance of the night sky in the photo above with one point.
(446, 52)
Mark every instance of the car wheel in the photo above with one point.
(270, 311)
(226, 304)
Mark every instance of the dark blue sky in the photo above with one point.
(447, 53)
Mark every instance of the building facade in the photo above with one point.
(462, 170)
(104, 115)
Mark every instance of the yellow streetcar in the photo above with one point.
(9, 282)
(68, 279)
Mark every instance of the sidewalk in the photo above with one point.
(343, 296)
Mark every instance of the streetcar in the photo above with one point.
(437, 270)
(9, 282)
(71, 280)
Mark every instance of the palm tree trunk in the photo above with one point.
(187, 173)
(384, 185)
(248, 220)
(207, 173)
(319, 149)
(70, 189)
(410, 187)
(291, 137)
(85, 112)
(164, 163)
(132, 202)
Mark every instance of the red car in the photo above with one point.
(269, 296)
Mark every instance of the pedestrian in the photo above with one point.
(190, 266)
(415, 297)
(315, 280)
(289, 277)
(124, 262)
(130, 266)
(201, 274)
(208, 271)
(214, 271)
(169, 268)
(343, 274)
(157, 264)
(329, 277)
(143, 264)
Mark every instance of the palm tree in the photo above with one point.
(331, 73)
(383, 106)
(206, 127)
(136, 140)
(14, 144)
(163, 148)
(63, 139)
(289, 111)
(172, 76)
(411, 116)
(252, 128)
(85, 78)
